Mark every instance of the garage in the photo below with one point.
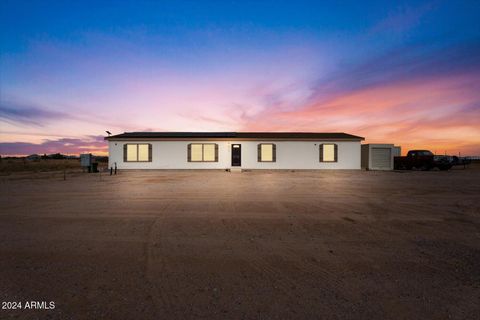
(381, 158)
(378, 156)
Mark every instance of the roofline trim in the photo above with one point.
(233, 139)
(223, 136)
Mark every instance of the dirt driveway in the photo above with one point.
(254, 245)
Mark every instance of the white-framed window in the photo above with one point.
(202, 152)
(328, 152)
(137, 152)
(267, 152)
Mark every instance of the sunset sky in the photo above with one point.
(406, 73)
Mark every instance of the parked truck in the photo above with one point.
(422, 160)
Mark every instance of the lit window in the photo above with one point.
(266, 152)
(202, 152)
(133, 152)
(197, 152)
(143, 152)
(208, 152)
(328, 153)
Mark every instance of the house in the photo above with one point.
(227, 150)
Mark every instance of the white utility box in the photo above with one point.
(86, 159)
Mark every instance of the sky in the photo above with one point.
(405, 72)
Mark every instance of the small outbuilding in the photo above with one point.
(379, 156)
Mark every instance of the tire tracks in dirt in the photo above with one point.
(156, 271)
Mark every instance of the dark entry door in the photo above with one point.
(236, 155)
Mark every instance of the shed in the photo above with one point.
(378, 156)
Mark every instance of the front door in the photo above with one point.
(236, 155)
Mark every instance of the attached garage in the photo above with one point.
(378, 156)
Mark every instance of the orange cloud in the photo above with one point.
(442, 114)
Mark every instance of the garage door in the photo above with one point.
(381, 158)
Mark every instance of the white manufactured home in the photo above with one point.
(234, 150)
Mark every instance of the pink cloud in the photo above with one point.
(90, 144)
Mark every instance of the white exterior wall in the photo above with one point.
(290, 155)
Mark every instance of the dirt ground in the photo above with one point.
(252, 245)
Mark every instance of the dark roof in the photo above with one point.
(236, 135)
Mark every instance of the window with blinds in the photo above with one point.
(137, 152)
(328, 152)
(202, 152)
(267, 152)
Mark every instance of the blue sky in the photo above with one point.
(402, 72)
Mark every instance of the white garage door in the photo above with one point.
(381, 158)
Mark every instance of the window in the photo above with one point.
(141, 152)
(267, 152)
(132, 152)
(202, 152)
(209, 152)
(328, 152)
(196, 152)
(425, 153)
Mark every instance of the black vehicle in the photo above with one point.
(423, 160)
(461, 161)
